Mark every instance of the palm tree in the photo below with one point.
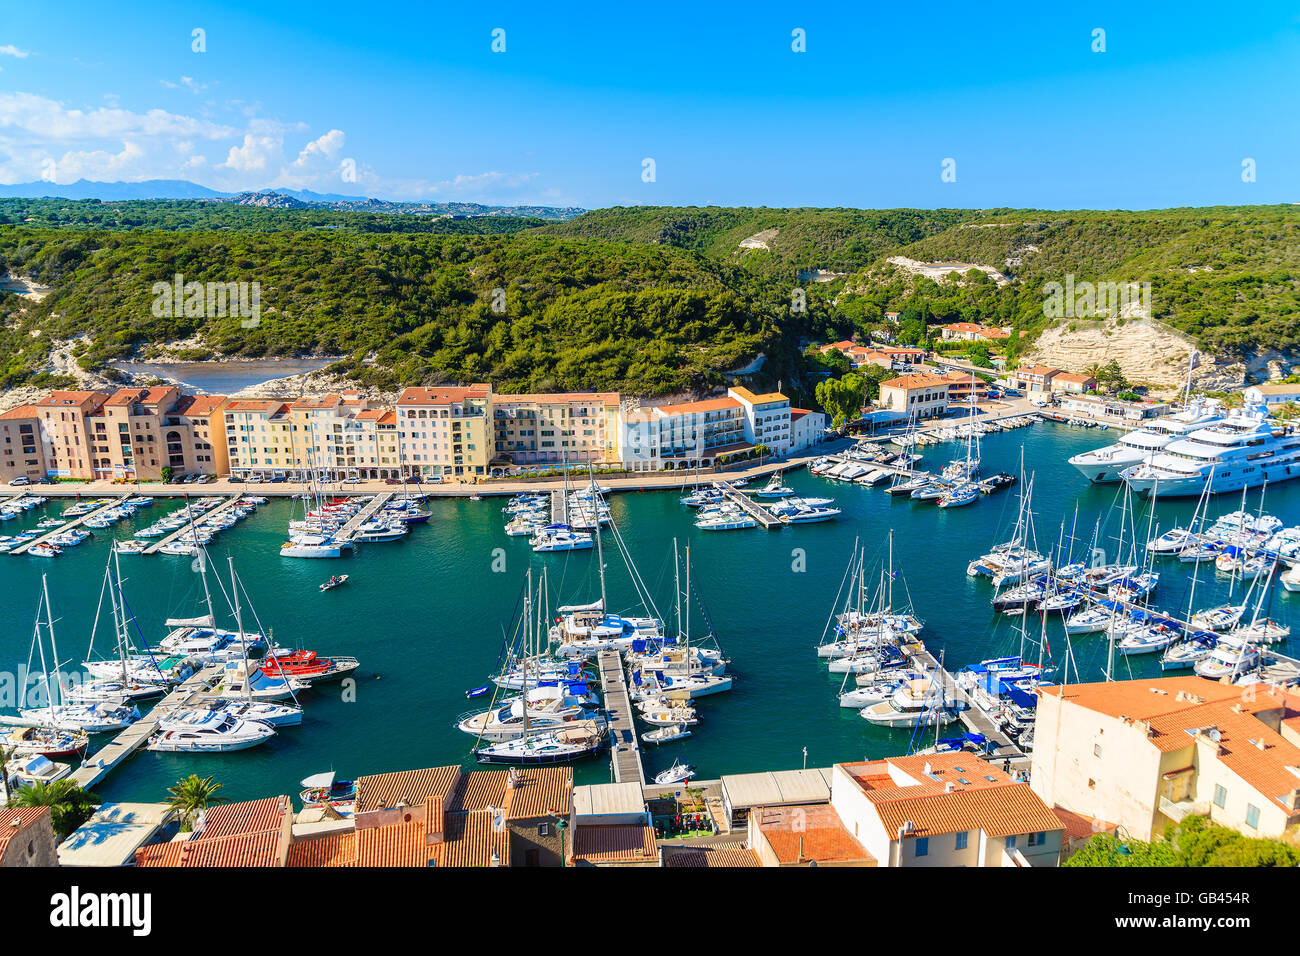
(1287, 410)
(192, 795)
(1234, 400)
(70, 806)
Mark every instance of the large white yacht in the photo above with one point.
(1105, 464)
(1244, 450)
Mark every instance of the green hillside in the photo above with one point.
(649, 300)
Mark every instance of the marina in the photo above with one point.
(434, 608)
(69, 525)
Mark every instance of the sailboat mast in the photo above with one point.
(54, 648)
(239, 626)
(118, 602)
(49, 694)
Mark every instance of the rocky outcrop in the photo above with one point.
(1151, 354)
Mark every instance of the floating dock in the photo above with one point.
(624, 745)
(110, 756)
(349, 530)
(188, 527)
(1001, 747)
(559, 507)
(748, 505)
(70, 524)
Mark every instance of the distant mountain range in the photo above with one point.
(271, 198)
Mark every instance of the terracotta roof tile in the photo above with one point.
(710, 856)
(470, 839)
(614, 844)
(539, 792)
(253, 816)
(26, 816)
(336, 849)
(688, 408)
(409, 787)
(802, 834)
(478, 790)
(401, 844)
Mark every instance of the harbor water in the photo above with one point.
(427, 615)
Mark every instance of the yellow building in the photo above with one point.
(68, 447)
(260, 438)
(532, 431)
(1147, 753)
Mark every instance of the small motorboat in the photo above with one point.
(32, 769)
(663, 735)
(321, 789)
(678, 773)
(334, 582)
(46, 742)
(307, 666)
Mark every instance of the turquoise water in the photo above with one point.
(426, 615)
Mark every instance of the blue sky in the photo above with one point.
(413, 99)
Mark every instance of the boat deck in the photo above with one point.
(116, 751)
(347, 532)
(187, 528)
(624, 745)
(70, 524)
(749, 505)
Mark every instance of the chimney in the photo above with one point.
(949, 786)
(927, 770)
(512, 781)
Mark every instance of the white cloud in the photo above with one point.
(10, 50)
(325, 147)
(50, 119)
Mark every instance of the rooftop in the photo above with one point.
(113, 833)
(920, 380)
(803, 834)
(614, 844)
(442, 395)
(710, 856)
(688, 408)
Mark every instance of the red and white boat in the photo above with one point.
(46, 742)
(308, 666)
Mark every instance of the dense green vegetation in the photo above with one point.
(1194, 842)
(651, 300)
(206, 214)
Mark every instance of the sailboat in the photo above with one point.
(95, 717)
(689, 671)
(128, 679)
(585, 630)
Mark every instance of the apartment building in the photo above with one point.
(260, 438)
(1073, 382)
(684, 435)
(67, 443)
(137, 432)
(446, 431)
(1035, 378)
(537, 431)
(767, 419)
(916, 396)
(963, 385)
(1147, 753)
(22, 447)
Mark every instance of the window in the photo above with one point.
(1220, 796)
(1011, 843)
(961, 839)
(1037, 839)
(922, 846)
(1252, 816)
(1096, 750)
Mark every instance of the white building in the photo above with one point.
(1272, 394)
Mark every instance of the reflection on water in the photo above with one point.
(225, 377)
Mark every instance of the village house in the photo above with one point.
(1147, 753)
(917, 396)
(973, 332)
(1272, 394)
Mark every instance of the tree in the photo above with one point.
(1193, 842)
(166, 473)
(842, 398)
(192, 795)
(1111, 377)
(70, 806)
(1287, 410)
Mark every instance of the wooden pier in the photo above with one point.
(188, 527)
(349, 530)
(748, 505)
(116, 751)
(624, 746)
(70, 524)
(559, 507)
(1001, 747)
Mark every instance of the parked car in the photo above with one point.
(432, 479)
(21, 480)
(392, 481)
(277, 478)
(352, 480)
(416, 479)
(45, 480)
(235, 478)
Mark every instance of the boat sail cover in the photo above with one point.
(204, 621)
(318, 781)
(579, 608)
